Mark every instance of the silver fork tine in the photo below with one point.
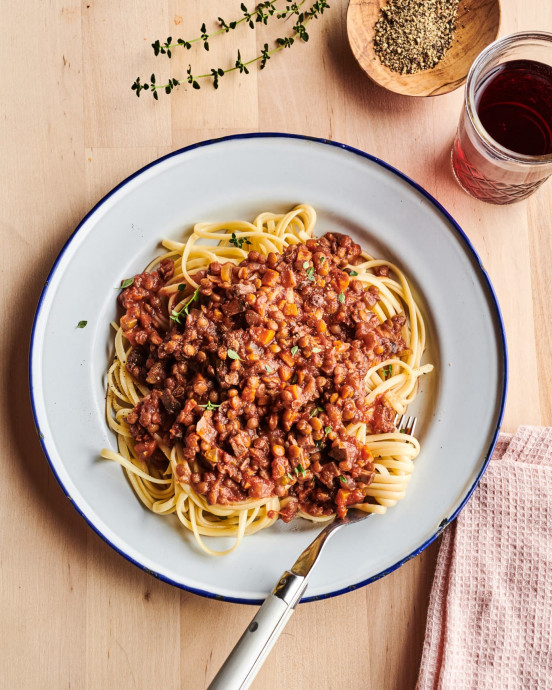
(399, 421)
(405, 424)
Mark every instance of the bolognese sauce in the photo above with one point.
(259, 374)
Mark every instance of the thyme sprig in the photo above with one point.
(239, 241)
(261, 14)
(210, 406)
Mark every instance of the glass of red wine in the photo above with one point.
(502, 152)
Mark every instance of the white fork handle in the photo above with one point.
(249, 654)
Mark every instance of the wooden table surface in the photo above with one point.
(74, 613)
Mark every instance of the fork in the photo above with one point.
(251, 650)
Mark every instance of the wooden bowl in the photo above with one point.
(477, 25)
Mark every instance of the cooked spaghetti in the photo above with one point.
(257, 375)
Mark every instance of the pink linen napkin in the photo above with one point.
(490, 611)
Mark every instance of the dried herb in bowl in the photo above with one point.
(414, 35)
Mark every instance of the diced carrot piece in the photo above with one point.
(321, 326)
(365, 453)
(287, 357)
(261, 335)
(285, 373)
(128, 322)
(290, 309)
(289, 416)
(288, 278)
(342, 496)
(295, 391)
(270, 277)
(343, 281)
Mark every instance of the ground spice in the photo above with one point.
(414, 35)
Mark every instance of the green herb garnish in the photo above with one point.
(238, 241)
(387, 371)
(268, 369)
(127, 282)
(353, 273)
(342, 479)
(322, 259)
(327, 430)
(294, 350)
(300, 468)
(315, 411)
(260, 15)
(341, 297)
(175, 315)
(210, 406)
(310, 273)
(233, 355)
(306, 264)
(316, 349)
(82, 324)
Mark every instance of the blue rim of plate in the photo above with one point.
(470, 249)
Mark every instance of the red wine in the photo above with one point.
(514, 104)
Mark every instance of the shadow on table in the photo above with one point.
(73, 539)
(48, 500)
(356, 83)
(29, 457)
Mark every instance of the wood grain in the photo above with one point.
(74, 613)
(477, 25)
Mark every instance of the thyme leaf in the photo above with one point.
(210, 406)
(239, 241)
(175, 315)
(316, 411)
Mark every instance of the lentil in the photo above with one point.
(284, 388)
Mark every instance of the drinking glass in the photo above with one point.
(484, 168)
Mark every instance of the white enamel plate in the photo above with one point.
(459, 405)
